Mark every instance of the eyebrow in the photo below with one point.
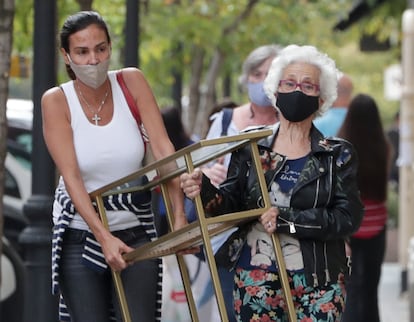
(306, 77)
(98, 45)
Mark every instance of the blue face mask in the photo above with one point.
(257, 95)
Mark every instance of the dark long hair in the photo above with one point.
(363, 128)
(175, 128)
(77, 22)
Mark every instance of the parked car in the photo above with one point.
(13, 275)
(19, 129)
(18, 178)
(17, 190)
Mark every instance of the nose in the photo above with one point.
(93, 58)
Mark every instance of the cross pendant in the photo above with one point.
(96, 118)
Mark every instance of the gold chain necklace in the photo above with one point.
(96, 118)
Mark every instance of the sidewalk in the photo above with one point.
(394, 307)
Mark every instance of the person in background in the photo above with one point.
(94, 140)
(230, 121)
(224, 104)
(393, 135)
(180, 139)
(332, 120)
(363, 128)
(314, 196)
(256, 112)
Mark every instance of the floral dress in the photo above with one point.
(258, 293)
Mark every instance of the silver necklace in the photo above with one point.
(95, 118)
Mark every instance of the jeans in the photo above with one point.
(90, 295)
(227, 286)
(226, 278)
(362, 291)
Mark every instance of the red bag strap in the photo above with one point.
(130, 100)
(132, 105)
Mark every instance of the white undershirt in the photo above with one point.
(105, 153)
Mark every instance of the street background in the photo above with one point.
(394, 306)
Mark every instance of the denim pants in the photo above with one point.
(90, 296)
(362, 289)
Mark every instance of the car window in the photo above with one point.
(11, 187)
(21, 149)
(19, 130)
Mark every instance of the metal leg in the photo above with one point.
(116, 276)
(276, 244)
(209, 251)
(180, 259)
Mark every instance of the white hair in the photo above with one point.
(305, 54)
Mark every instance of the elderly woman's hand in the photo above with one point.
(268, 219)
(217, 173)
(191, 183)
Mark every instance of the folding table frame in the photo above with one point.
(200, 231)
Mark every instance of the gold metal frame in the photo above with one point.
(200, 231)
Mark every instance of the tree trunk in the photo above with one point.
(202, 96)
(6, 40)
(85, 4)
(207, 96)
(195, 81)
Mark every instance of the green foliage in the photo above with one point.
(23, 27)
(202, 23)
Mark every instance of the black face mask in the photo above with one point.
(297, 106)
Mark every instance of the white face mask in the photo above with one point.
(91, 75)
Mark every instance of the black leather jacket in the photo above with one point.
(325, 207)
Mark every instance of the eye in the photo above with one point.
(82, 52)
(290, 83)
(307, 87)
(102, 48)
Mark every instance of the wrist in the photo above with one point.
(179, 215)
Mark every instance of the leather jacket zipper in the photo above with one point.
(327, 275)
(314, 275)
(292, 225)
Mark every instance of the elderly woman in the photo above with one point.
(313, 190)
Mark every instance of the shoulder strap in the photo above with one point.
(225, 122)
(130, 100)
(132, 106)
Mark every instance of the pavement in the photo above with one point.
(393, 303)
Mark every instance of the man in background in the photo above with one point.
(331, 121)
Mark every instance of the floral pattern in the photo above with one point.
(258, 297)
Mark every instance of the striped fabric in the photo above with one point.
(374, 220)
(138, 203)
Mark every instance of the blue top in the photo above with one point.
(257, 252)
(331, 121)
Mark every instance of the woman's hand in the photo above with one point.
(113, 248)
(191, 183)
(268, 219)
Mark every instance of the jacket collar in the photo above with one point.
(318, 142)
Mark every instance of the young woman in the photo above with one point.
(368, 243)
(94, 140)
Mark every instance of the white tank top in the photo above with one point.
(104, 153)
